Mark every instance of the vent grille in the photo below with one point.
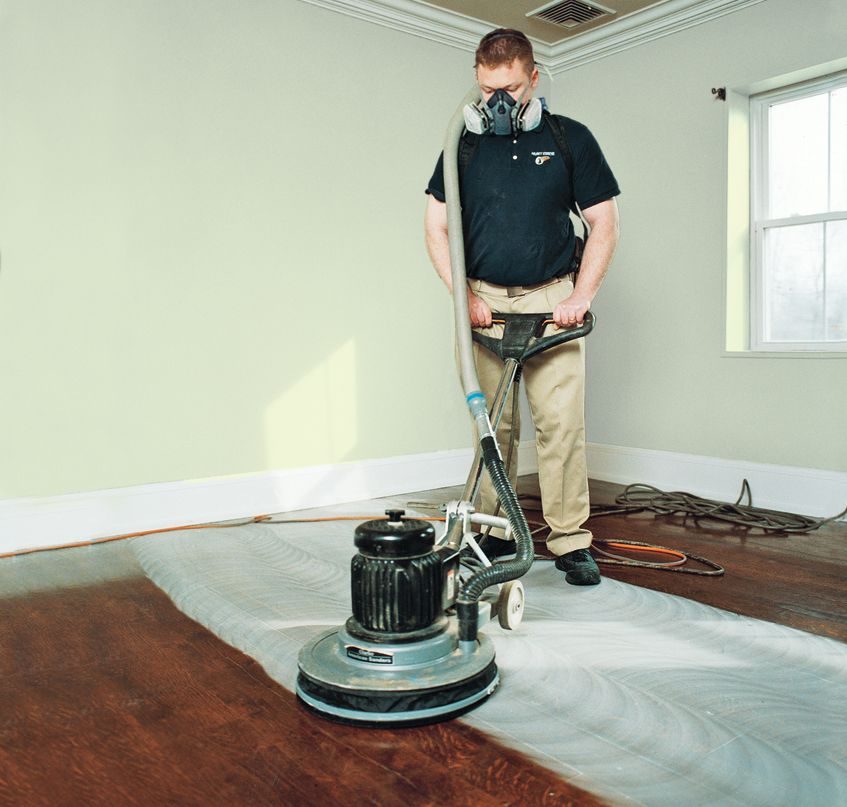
(570, 13)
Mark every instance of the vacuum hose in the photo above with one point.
(500, 572)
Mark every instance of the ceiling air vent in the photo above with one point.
(569, 13)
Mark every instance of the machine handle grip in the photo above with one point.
(564, 335)
(523, 334)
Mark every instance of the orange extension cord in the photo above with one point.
(679, 558)
(209, 526)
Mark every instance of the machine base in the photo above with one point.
(350, 681)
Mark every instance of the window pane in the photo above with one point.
(836, 281)
(793, 284)
(798, 158)
(838, 168)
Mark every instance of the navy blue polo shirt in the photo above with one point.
(516, 200)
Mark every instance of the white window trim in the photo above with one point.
(759, 105)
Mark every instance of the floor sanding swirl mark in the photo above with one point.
(587, 718)
(567, 710)
(256, 567)
(261, 552)
(618, 603)
(759, 774)
(735, 692)
(817, 655)
(633, 664)
(614, 639)
(217, 580)
(681, 711)
(318, 558)
(595, 702)
(571, 742)
(635, 693)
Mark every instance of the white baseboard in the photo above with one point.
(61, 520)
(34, 523)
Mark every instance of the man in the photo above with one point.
(519, 247)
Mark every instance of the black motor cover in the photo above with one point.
(396, 577)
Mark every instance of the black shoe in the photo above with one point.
(491, 547)
(579, 567)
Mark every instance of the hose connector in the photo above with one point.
(467, 612)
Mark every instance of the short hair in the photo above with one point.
(503, 46)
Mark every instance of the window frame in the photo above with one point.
(759, 193)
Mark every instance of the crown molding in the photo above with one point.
(417, 18)
(638, 28)
(463, 32)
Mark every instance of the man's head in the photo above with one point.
(505, 61)
(504, 46)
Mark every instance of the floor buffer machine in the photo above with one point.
(413, 651)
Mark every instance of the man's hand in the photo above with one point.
(479, 311)
(602, 220)
(571, 311)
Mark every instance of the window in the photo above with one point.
(799, 217)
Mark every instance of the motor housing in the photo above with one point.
(396, 580)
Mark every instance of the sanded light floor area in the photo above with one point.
(637, 696)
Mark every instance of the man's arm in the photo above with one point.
(438, 247)
(599, 248)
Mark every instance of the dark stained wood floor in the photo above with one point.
(110, 695)
(794, 580)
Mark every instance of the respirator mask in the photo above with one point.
(503, 115)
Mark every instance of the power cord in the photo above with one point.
(634, 499)
(640, 497)
(680, 558)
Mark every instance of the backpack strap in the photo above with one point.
(558, 132)
(467, 146)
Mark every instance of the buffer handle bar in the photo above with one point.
(523, 335)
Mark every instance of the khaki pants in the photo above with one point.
(555, 387)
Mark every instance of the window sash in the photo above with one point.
(761, 223)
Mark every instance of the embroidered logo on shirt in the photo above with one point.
(541, 157)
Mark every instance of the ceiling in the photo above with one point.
(512, 14)
(461, 23)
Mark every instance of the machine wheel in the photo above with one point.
(510, 605)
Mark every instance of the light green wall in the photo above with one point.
(211, 258)
(658, 375)
(211, 236)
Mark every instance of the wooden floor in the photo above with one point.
(110, 695)
(794, 580)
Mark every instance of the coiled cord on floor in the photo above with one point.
(680, 558)
(640, 497)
